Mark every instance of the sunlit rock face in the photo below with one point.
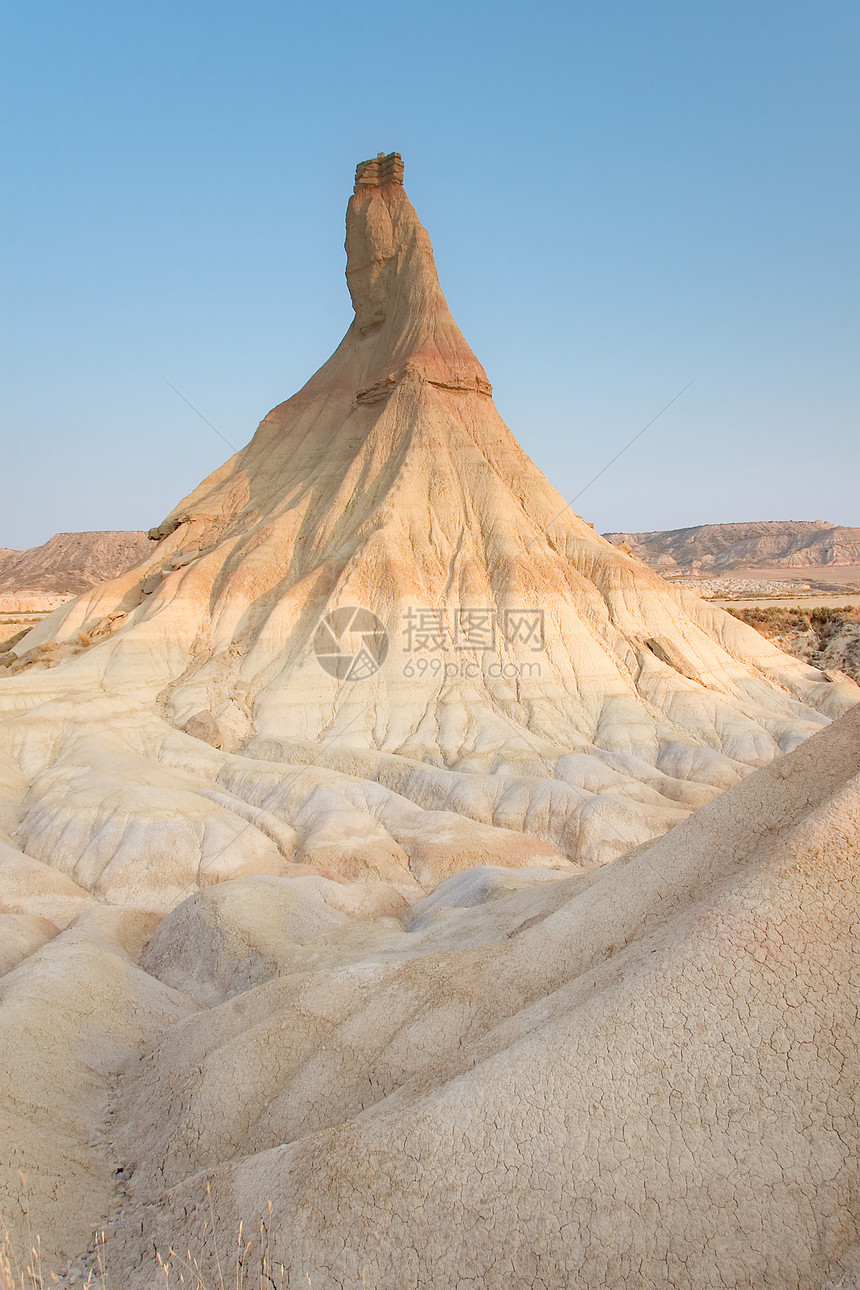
(377, 642)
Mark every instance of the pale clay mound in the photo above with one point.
(392, 993)
(640, 1077)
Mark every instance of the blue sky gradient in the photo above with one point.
(620, 196)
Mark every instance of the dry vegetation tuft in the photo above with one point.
(239, 1265)
(826, 638)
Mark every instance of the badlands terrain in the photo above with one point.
(773, 544)
(810, 611)
(44, 577)
(827, 638)
(401, 885)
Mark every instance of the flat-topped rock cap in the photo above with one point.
(380, 170)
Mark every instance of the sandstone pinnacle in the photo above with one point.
(312, 934)
(541, 692)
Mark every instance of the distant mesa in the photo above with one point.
(43, 577)
(718, 548)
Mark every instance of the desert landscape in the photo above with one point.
(402, 884)
(808, 609)
(797, 583)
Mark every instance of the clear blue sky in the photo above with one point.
(621, 196)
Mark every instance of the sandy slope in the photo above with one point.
(642, 1077)
(645, 1078)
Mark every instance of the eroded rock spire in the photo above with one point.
(531, 668)
(401, 313)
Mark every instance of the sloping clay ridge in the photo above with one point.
(393, 993)
(640, 1078)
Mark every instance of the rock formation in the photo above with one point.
(539, 690)
(772, 544)
(66, 565)
(642, 1078)
(301, 822)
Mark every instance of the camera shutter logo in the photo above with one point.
(351, 643)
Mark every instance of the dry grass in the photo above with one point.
(239, 1265)
(238, 1270)
(825, 637)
